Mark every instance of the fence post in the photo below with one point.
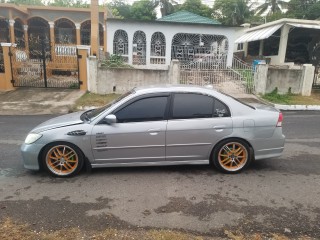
(6, 85)
(83, 52)
(174, 72)
(260, 78)
(307, 79)
(93, 74)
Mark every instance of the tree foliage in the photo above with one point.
(143, 10)
(26, 2)
(196, 7)
(304, 9)
(166, 6)
(271, 6)
(120, 9)
(232, 12)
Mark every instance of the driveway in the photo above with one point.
(25, 101)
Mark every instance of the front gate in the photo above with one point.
(45, 66)
(238, 79)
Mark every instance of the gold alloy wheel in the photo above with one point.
(233, 156)
(62, 160)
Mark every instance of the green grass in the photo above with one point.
(292, 99)
(97, 100)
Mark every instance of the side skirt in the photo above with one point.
(137, 164)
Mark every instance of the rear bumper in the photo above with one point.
(269, 147)
(30, 153)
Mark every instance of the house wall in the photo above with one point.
(169, 30)
(294, 79)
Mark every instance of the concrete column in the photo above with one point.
(148, 48)
(307, 79)
(283, 43)
(5, 83)
(83, 53)
(78, 36)
(260, 78)
(168, 49)
(130, 47)
(245, 49)
(52, 38)
(26, 37)
(95, 28)
(261, 47)
(174, 72)
(11, 28)
(93, 74)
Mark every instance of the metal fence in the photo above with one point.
(1, 61)
(232, 80)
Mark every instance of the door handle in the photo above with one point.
(219, 128)
(153, 132)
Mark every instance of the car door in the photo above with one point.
(138, 136)
(196, 123)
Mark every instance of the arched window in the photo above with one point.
(19, 33)
(85, 33)
(201, 51)
(1, 60)
(120, 44)
(139, 48)
(38, 28)
(158, 48)
(4, 30)
(39, 37)
(101, 35)
(64, 31)
(184, 46)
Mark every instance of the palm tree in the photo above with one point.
(272, 6)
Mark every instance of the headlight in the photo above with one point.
(32, 137)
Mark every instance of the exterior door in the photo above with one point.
(197, 123)
(137, 137)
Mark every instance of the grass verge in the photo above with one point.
(292, 99)
(97, 100)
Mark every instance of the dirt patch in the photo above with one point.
(12, 230)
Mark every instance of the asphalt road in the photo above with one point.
(273, 196)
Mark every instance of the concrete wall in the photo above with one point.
(103, 80)
(297, 79)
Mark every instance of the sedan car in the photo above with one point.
(157, 125)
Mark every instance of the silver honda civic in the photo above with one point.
(157, 125)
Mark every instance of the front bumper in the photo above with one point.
(30, 154)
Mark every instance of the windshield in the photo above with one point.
(91, 114)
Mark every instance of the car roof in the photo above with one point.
(175, 88)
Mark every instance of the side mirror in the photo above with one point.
(111, 119)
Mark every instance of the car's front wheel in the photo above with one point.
(231, 156)
(62, 159)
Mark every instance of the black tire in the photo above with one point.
(61, 159)
(231, 155)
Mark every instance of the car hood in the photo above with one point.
(58, 122)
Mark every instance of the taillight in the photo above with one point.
(280, 119)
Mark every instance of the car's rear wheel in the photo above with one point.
(231, 156)
(62, 159)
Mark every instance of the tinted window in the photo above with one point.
(187, 105)
(220, 109)
(147, 109)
